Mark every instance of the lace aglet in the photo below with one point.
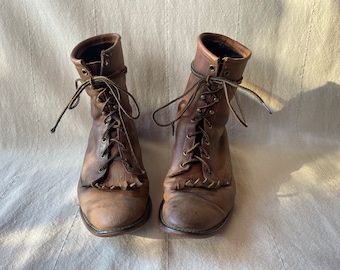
(267, 108)
(59, 118)
(55, 126)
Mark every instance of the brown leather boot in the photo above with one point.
(113, 188)
(199, 189)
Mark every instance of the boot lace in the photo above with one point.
(109, 93)
(208, 86)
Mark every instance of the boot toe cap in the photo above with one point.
(192, 215)
(113, 214)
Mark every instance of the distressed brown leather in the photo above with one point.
(199, 189)
(113, 188)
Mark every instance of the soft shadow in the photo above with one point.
(286, 167)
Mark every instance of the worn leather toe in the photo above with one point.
(191, 213)
(108, 213)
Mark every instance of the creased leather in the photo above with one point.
(199, 195)
(113, 187)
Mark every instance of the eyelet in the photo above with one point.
(203, 97)
(104, 140)
(216, 99)
(207, 156)
(84, 71)
(182, 166)
(206, 142)
(198, 110)
(104, 113)
(195, 119)
(106, 62)
(100, 170)
(184, 153)
(102, 156)
(211, 112)
(127, 163)
(188, 136)
(212, 68)
(227, 73)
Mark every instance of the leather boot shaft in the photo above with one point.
(103, 56)
(109, 61)
(221, 57)
(113, 189)
(199, 189)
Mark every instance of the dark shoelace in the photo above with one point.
(207, 80)
(112, 109)
(204, 113)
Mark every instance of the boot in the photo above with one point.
(199, 189)
(113, 189)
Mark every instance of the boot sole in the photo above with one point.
(119, 231)
(189, 233)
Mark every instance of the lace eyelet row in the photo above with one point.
(101, 169)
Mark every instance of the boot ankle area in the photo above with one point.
(219, 55)
(98, 55)
(223, 46)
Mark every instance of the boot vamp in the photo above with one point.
(127, 166)
(196, 209)
(113, 209)
(94, 161)
(216, 166)
(194, 200)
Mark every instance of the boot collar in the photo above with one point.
(94, 56)
(220, 56)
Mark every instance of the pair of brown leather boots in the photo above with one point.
(199, 189)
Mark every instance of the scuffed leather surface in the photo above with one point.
(109, 209)
(187, 208)
(286, 165)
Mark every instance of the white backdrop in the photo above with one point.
(286, 165)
